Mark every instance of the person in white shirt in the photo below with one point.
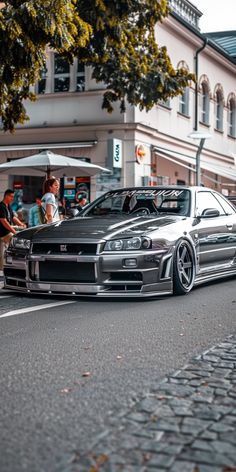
(49, 202)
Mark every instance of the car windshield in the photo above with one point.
(141, 202)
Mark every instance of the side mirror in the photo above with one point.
(210, 213)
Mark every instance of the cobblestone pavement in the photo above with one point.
(187, 423)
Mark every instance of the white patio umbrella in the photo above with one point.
(46, 162)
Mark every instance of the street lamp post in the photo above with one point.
(196, 135)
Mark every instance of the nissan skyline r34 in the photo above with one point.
(130, 242)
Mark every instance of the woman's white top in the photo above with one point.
(50, 199)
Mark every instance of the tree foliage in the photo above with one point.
(115, 37)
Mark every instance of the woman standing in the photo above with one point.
(49, 203)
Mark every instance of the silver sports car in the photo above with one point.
(135, 242)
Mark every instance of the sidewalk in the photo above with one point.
(186, 424)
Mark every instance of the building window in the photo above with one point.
(165, 103)
(205, 103)
(41, 84)
(219, 110)
(80, 78)
(184, 103)
(184, 99)
(61, 74)
(232, 118)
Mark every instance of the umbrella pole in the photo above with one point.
(48, 172)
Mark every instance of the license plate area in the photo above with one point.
(66, 271)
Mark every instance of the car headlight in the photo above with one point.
(20, 243)
(128, 244)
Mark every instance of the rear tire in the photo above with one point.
(183, 268)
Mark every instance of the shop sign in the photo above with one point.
(18, 185)
(115, 153)
(69, 182)
(140, 153)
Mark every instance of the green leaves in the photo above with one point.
(115, 37)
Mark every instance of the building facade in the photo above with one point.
(141, 148)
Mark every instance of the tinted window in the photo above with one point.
(153, 200)
(206, 200)
(112, 204)
(225, 204)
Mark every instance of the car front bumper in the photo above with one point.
(136, 274)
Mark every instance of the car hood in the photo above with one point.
(98, 228)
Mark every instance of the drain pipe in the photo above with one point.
(196, 83)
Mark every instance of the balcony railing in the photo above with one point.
(187, 11)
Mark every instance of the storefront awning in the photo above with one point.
(229, 172)
(189, 162)
(31, 147)
(177, 158)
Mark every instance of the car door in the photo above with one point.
(230, 211)
(215, 247)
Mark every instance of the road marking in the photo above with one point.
(5, 296)
(34, 308)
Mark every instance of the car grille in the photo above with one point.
(66, 271)
(17, 273)
(60, 248)
(127, 276)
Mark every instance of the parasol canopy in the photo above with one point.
(46, 162)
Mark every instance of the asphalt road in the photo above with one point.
(69, 370)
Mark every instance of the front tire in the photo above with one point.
(183, 268)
